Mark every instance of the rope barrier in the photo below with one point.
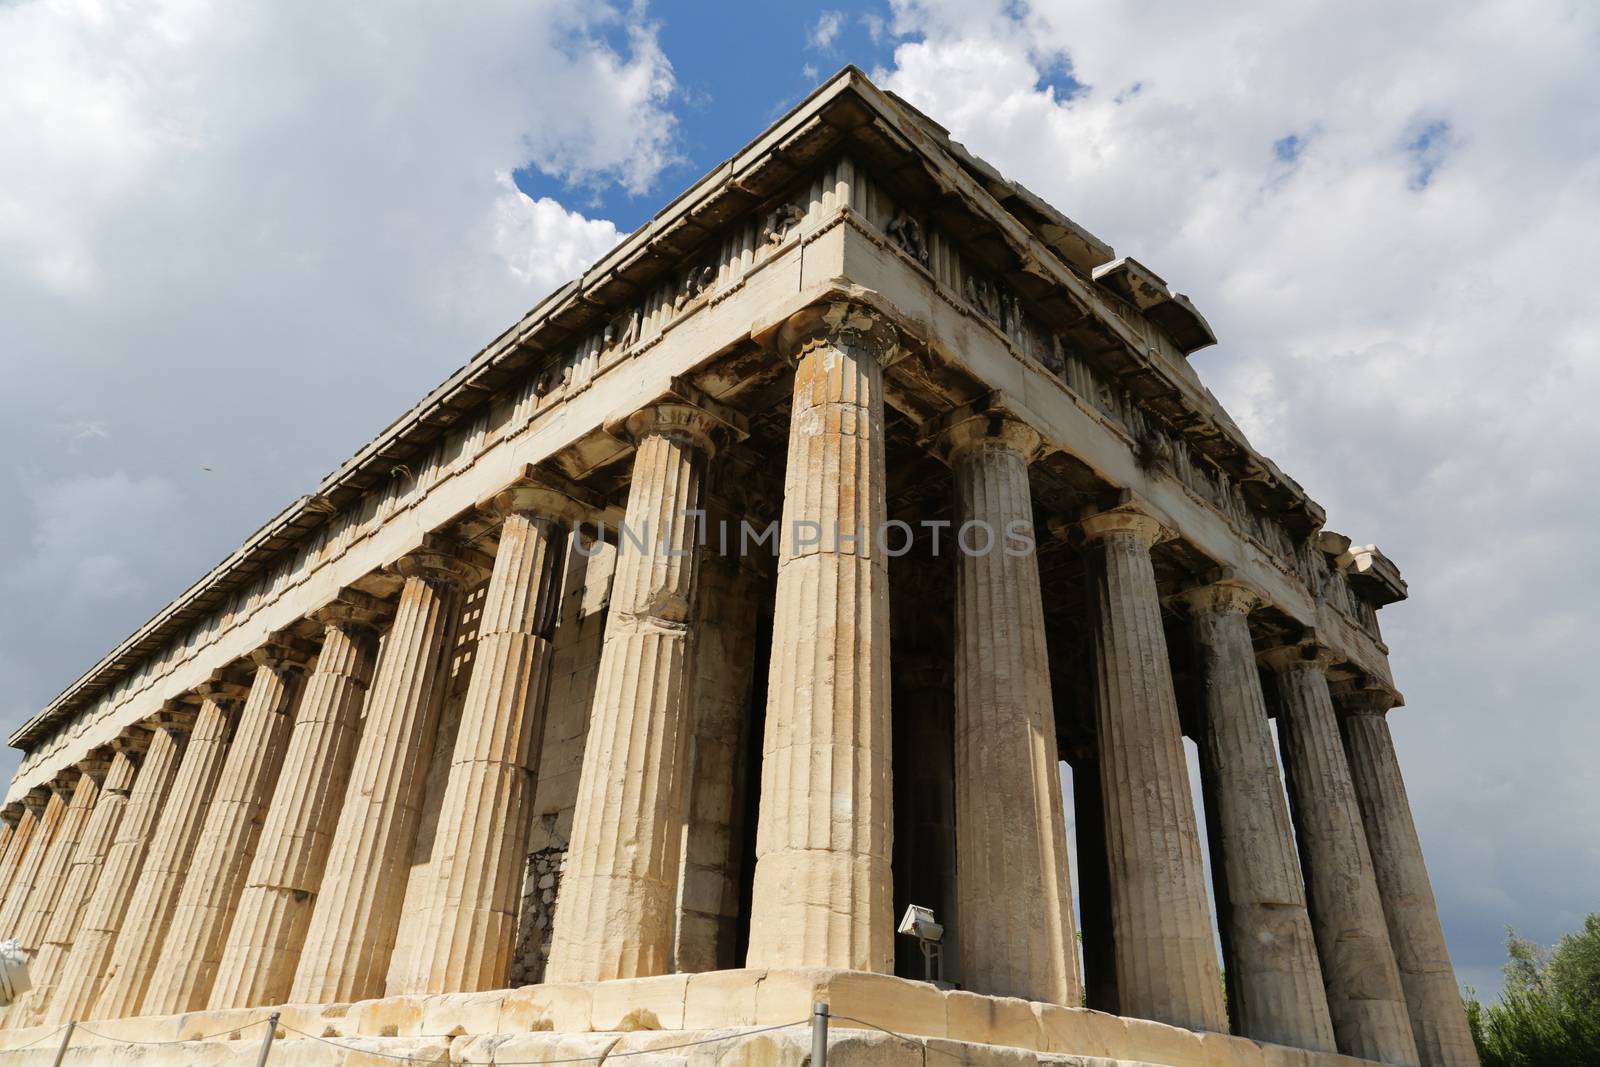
(596, 1058)
(35, 1041)
(175, 1041)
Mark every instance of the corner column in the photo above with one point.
(1274, 981)
(280, 893)
(1438, 1021)
(84, 972)
(1365, 998)
(824, 894)
(42, 808)
(227, 843)
(614, 918)
(88, 860)
(1166, 959)
(473, 891)
(35, 918)
(352, 933)
(137, 953)
(1015, 888)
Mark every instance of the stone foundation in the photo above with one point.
(711, 1018)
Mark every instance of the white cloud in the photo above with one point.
(235, 240)
(822, 35)
(1398, 293)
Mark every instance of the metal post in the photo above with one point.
(66, 1039)
(819, 1034)
(266, 1042)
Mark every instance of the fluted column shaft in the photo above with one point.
(1365, 997)
(358, 911)
(88, 860)
(84, 972)
(1166, 961)
(1438, 1021)
(473, 892)
(1015, 888)
(1275, 989)
(227, 844)
(280, 892)
(20, 852)
(137, 953)
(824, 892)
(35, 918)
(8, 866)
(614, 918)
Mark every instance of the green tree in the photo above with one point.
(1549, 1013)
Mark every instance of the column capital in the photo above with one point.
(175, 715)
(1128, 515)
(1355, 698)
(846, 322)
(283, 652)
(687, 412)
(1222, 594)
(65, 781)
(443, 561)
(132, 742)
(96, 763)
(543, 494)
(982, 424)
(350, 607)
(12, 813)
(35, 799)
(223, 690)
(1307, 654)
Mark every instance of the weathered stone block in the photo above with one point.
(640, 1003)
(453, 1014)
(565, 1008)
(1159, 1043)
(992, 1020)
(896, 1004)
(388, 1016)
(722, 998)
(1081, 1031)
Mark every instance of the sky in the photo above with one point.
(237, 239)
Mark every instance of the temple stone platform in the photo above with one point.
(715, 1017)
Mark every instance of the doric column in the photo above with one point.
(1438, 1021)
(35, 918)
(615, 915)
(88, 860)
(280, 892)
(1365, 998)
(137, 954)
(1017, 936)
(58, 796)
(227, 843)
(1166, 959)
(10, 819)
(1275, 990)
(358, 910)
(472, 892)
(33, 806)
(824, 892)
(84, 972)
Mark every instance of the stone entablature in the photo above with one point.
(452, 724)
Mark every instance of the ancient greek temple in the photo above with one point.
(808, 558)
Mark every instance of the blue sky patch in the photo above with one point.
(739, 66)
(1427, 149)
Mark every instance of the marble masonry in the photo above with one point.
(784, 570)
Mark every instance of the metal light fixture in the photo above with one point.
(918, 922)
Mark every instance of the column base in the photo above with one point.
(744, 1011)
